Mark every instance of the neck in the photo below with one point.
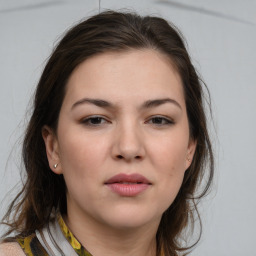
(100, 239)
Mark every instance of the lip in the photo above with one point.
(128, 184)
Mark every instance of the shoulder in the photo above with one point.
(11, 248)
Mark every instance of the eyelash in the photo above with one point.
(88, 121)
(166, 121)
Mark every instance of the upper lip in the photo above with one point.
(130, 178)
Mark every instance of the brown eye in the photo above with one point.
(158, 120)
(94, 121)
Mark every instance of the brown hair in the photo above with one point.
(42, 192)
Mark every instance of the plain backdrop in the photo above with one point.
(221, 37)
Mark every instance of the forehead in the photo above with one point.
(121, 76)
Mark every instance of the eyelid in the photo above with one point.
(86, 120)
(169, 121)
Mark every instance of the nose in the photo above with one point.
(128, 143)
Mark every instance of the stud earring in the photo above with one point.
(55, 166)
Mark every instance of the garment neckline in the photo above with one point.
(73, 241)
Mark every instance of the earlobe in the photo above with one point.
(52, 149)
(190, 153)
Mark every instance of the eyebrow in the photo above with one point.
(97, 102)
(146, 105)
(158, 102)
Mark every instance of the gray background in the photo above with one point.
(221, 37)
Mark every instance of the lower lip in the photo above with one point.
(128, 189)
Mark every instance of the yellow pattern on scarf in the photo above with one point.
(80, 250)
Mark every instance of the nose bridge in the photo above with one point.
(129, 140)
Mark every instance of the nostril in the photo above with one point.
(128, 158)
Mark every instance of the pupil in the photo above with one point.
(96, 120)
(158, 120)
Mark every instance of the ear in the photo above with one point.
(190, 152)
(52, 149)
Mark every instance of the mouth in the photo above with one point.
(128, 185)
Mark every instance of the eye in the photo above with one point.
(94, 121)
(159, 121)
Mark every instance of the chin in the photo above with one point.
(131, 218)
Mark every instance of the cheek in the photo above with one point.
(82, 155)
(169, 159)
(82, 158)
(169, 154)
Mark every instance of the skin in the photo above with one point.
(125, 138)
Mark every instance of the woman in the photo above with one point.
(116, 146)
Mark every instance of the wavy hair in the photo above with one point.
(42, 192)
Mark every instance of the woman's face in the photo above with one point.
(122, 141)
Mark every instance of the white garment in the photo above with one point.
(50, 237)
(53, 240)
